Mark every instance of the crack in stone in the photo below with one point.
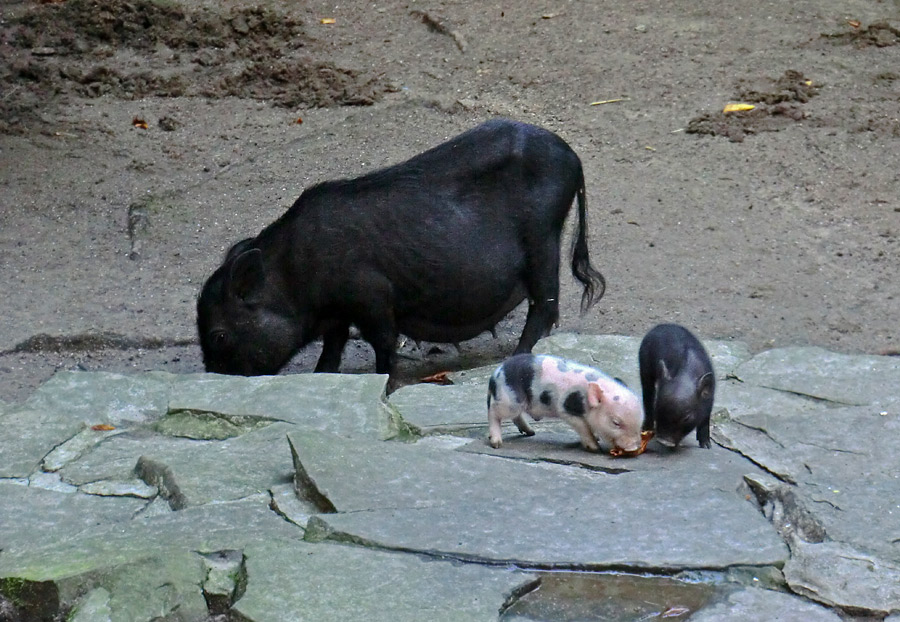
(306, 488)
(318, 530)
(834, 449)
(782, 477)
(157, 474)
(594, 468)
(815, 398)
(762, 431)
(783, 507)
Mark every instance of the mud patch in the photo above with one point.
(778, 104)
(566, 596)
(134, 49)
(879, 34)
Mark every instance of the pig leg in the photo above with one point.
(584, 431)
(703, 434)
(376, 320)
(333, 342)
(496, 414)
(542, 284)
(523, 426)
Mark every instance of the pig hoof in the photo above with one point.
(495, 443)
(528, 432)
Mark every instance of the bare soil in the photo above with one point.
(140, 138)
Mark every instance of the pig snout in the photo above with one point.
(629, 444)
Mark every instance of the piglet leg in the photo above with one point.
(587, 438)
(523, 426)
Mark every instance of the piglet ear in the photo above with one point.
(663, 371)
(246, 276)
(594, 395)
(705, 386)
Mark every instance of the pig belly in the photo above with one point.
(467, 323)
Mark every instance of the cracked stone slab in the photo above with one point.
(351, 404)
(753, 604)
(92, 607)
(103, 397)
(844, 462)
(743, 398)
(52, 513)
(194, 472)
(76, 538)
(483, 508)
(841, 378)
(434, 409)
(839, 575)
(27, 435)
(299, 581)
(156, 587)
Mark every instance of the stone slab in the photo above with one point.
(27, 435)
(293, 582)
(819, 373)
(101, 397)
(753, 605)
(434, 409)
(482, 508)
(202, 471)
(350, 404)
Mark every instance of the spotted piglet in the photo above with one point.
(597, 406)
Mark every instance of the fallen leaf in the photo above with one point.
(737, 108)
(102, 427)
(646, 436)
(327, 20)
(136, 122)
(854, 23)
(438, 378)
(299, 121)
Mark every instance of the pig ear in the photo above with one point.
(246, 274)
(705, 386)
(594, 394)
(664, 371)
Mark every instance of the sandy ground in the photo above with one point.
(139, 139)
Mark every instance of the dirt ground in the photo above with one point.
(140, 138)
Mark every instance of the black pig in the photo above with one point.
(439, 248)
(678, 384)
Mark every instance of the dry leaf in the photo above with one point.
(738, 108)
(608, 101)
(298, 121)
(136, 122)
(646, 435)
(438, 378)
(102, 427)
(854, 23)
(326, 20)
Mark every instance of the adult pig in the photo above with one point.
(678, 384)
(596, 405)
(439, 248)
